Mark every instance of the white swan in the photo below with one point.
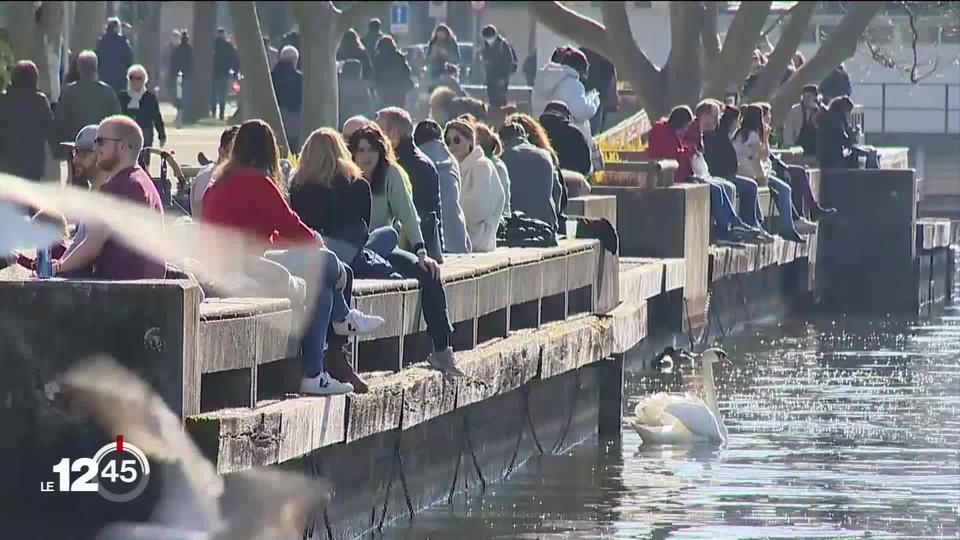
(683, 418)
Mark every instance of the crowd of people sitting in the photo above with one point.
(387, 198)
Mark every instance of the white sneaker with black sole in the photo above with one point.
(804, 227)
(324, 385)
(357, 322)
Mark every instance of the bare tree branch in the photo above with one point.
(682, 70)
(782, 55)
(356, 15)
(617, 23)
(840, 45)
(572, 25)
(782, 16)
(733, 64)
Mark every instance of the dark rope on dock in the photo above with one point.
(686, 310)
(403, 480)
(571, 409)
(516, 447)
(326, 522)
(386, 495)
(473, 454)
(533, 430)
(456, 470)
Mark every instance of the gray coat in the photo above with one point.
(532, 177)
(455, 237)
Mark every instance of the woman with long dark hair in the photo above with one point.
(391, 74)
(442, 50)
(752, 146)
(836, 138)
(393, 206)
(351, 48)
(246, 195)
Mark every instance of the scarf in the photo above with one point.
(135, 97)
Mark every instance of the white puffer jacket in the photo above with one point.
(556, 82)
(482, 198)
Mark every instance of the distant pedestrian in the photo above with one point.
(836, 84)
(115, 56)
(442, 50)
(86, 101)
(141, 104)
(351, 48)
(273, 55)
(391, 74)
(428, 137)
(500, 61)
(562, 81)
(181, 64)
(225, 63)
(288, 86)
(27, 125)
(373, 35)
(353, 92)
(602, 77)
(530, 67)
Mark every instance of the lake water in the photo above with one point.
(844, 428)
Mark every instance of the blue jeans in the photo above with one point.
(383, 242)
(218, 96)
(782, 195)
(321, 269)
(721, 208)
(749, 200)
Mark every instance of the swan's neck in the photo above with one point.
(710, 395)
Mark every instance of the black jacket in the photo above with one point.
(423, 176)
(147, 116)
(391, 74)
(114, 56)
(720, 155)
(26, 128)
(331, 210)
(288, 85)
(181, 61)
(833, 137)
(362, 56)
(568, 141)
(499, 59)
(601, 76)
(836, 84)
(224, 58)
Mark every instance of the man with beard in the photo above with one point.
(83, 160)
(117, 145)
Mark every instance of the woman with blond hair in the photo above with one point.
(245, 195)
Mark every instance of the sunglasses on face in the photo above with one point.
(456, 139)
(135, 78)
(100, 141)
(81, 153)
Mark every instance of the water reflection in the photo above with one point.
(840, 428)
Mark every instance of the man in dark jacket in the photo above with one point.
(373, 35)
(288, 85)
(836, 84)
(398, 126)
(225, 60)
(86, 101)
(535, 195)
(602, 77)
(566, 139)
(115, 56)
(500, 61)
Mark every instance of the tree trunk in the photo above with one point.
(150, 46)
(790, 37)
(684, 76)
(204, 28)
(318, 42)
(256, 69)
(88, 23)
(840, 45)
(731, 68)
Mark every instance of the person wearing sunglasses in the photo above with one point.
(482, 196)
(118, 144)
(141, 104)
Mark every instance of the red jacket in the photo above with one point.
(248, 200)
(664, 144)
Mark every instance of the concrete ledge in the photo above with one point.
(640, 279)
(228, 327)
(238, 439)
(594, 207)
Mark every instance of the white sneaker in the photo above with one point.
(324, 385)
(804, 227)
(445, 362)
(357, 322)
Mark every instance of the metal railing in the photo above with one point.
(936, 107)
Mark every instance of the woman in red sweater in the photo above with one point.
(245, 195)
